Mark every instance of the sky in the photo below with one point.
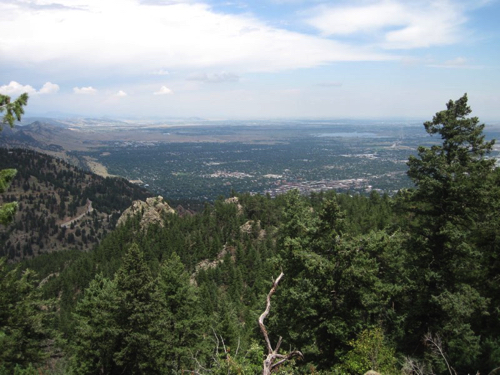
(251, 59)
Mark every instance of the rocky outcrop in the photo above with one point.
(235, 200)
(207, 264)
(248, 228)
(181, 211)
(151, 211)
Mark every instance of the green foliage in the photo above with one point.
(137, 314)
(24, 318)
(50, 190)
(96, 332)
(19, 370)
(7, 212)
(453, 178)
(248, 363)
(455, 197)
(370, 351)
(13, 110)
(187, 296)
(182, 318)
(338, 284)
(6, 177)
(116, 322)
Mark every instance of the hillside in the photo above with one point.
(398, 285)
(60, 206)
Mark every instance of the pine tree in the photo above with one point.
(452, 178)
(118, 323)
(24, 319)
(96, 329)
(452, 200)
(137, 315)
(13, 111)
(181, 319)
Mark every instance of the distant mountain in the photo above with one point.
(60, 206)
(37, 135)
(47, 120)
(57, 140)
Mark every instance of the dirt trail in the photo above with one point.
(88, 210)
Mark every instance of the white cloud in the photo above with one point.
(49, 88)
(121, 93)
(15, 88)
(397, 24)
(84, 90)
(342, 20)
(164, 90)
(214, 77)
(164, 37)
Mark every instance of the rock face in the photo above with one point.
(207, 264)
(181, 211)
(235, 200)
(248, 227)
(152, 211)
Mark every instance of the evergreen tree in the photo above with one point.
(454, 197)
(24, 319)
(124, 315)
(137, 315)
(13, 110)
(96, 329)
(181, 318)
(370, 351)
(452, 178)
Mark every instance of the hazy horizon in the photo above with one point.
(251, 59)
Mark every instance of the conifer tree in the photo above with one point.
(453, 198)
(181, 317)
(13, 110)
(117, 323)
(96, 329)
(23, 320)
(137, 315)
(452, 177)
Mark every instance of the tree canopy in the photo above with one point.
(13, 111)
(401, 285)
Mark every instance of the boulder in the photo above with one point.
(151, 211)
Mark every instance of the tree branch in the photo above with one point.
(437, 344)
(272, 355)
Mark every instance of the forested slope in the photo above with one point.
(406, 284)
(50, 193)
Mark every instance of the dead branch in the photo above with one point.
(273, 359)
(437, 348)
(238, 347)
(196, 372)
(413, 367)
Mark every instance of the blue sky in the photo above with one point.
(251, 59)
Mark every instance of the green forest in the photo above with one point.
(403, 284)
(50, 192)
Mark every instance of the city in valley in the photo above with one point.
(202, 160)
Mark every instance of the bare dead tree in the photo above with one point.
(413, 367)
(437, 348)
(273, 359)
